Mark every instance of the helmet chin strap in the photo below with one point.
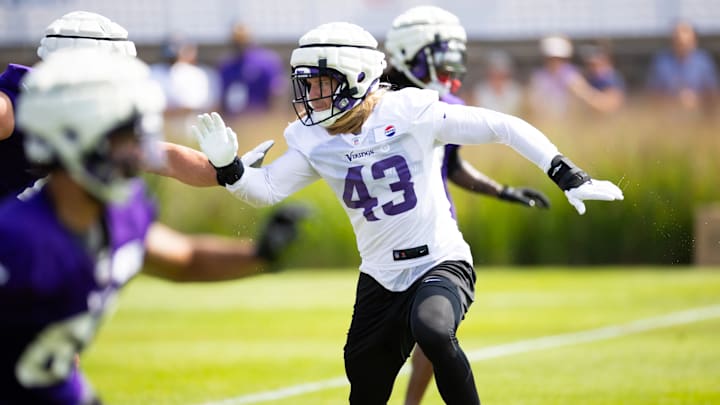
(324, 119)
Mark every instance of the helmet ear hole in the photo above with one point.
(39, 151)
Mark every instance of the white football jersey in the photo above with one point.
(387, 178)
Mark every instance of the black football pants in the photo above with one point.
(386, 325)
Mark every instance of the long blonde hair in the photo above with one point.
(352, 122)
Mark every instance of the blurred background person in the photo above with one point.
(601, 74)
(253, 79)
(499, 90)
(549, 87)
(188, 86)
(684, 75)
(559, 90)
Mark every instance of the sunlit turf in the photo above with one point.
(190, 344)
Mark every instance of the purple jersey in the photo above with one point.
(451, 151)
(54, 291)
(249, 80)
(15, 173)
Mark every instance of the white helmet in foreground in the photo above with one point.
(76, 103)
(344, 52)
(427, 44)
(83, 29)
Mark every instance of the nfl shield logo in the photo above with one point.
(389, 131)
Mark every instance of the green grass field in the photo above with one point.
(195, 344)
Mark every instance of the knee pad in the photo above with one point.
(434, 320)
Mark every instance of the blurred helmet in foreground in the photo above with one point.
(96, 115)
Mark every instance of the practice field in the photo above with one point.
(535, 336)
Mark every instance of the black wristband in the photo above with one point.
(565, 174)
(229, 174)
(506, 194)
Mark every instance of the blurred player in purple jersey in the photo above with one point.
(92, 119)
(253, 79)
(78, 29)
(380, 151)
(426, 48)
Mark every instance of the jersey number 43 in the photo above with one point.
(355, 186)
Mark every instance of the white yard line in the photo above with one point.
(523, 346)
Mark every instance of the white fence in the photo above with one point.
(273, 21)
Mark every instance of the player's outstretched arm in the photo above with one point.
(471, 125)
(193, 168)
(179, 257)
(219, 155)
(186, 165)
(463, 174)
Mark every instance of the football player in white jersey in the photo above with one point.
(379, 151)
(426, 49)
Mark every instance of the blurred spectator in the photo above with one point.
(253, 79)
(558, 88)
(601, 74)
(684, 75)
(499, 90)
(188, 86)
(549, 93)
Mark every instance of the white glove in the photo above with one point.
(217, 141)
(593, 190)
(254, 158)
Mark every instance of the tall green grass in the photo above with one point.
(666, 166)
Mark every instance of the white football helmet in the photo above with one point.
(83, 29)
(75, 101)
(427, 44)
(344, 52)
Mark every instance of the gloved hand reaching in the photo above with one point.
(593, 190)
(280, 231)
(578, 185)
(525, 196)
(217, 141)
